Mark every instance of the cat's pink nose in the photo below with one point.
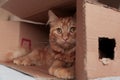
(65, 38)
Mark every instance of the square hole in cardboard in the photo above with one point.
(106, 48)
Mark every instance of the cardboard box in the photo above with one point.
(95, 21)
(37, 35)
(9, 32)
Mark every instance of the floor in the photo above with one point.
(8, 73)
(11, 74)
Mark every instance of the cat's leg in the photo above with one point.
(25, 60)
(59, 71)
(29, 59)
(65, 73)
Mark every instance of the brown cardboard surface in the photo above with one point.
(9, 33)
(81, 73)
(37, 34)
(12, 33)
(101, 22)
(109, 4)
(38, 12)
(39, 72)
(4, 15)
(93, 21)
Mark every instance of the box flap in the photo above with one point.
(31, 9)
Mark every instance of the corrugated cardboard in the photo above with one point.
(101, 22)
(36, 34)
(38, 12)
(94, 20)
(9, 32)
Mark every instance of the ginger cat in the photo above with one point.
(60, 54)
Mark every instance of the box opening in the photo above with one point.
(111, 3)
(37, 35)
(33, 35)
(106, 48)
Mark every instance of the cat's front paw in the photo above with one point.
(62, 73)
(22, 61)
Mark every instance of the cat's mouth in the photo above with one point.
(66, 44)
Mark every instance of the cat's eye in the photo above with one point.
(72, 29)
(59, 30)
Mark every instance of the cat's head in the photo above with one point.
(62, 30)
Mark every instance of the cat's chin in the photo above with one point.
(65, 45)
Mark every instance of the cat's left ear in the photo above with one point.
(52, 17)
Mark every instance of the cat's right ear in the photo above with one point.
(52, 17)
